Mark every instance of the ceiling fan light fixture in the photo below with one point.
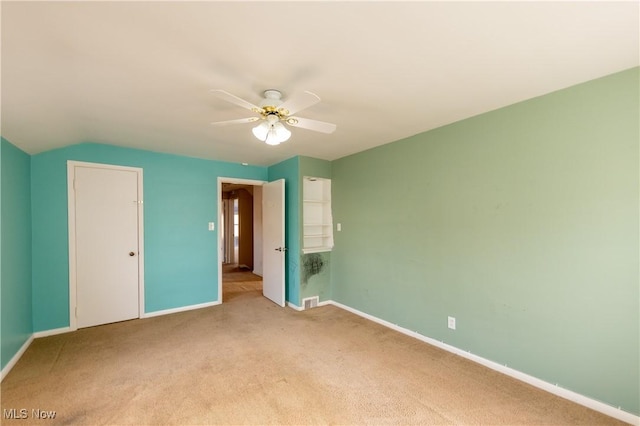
(271, 131)
(271, 140)
(261, 130)
(282, 133)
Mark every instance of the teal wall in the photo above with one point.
(15, 252)
(522, 223)
(289, 170)
(180, 198)
(317, 284)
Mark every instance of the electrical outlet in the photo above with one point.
(451, 322)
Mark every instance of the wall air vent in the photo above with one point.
(310, 302)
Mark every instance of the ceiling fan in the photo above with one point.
(274, 113)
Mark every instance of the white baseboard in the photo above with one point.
(15, 358)
(180, 309)
(296, 307)
(53, 332)
(300, 308)
(144, 315)
(601, 407)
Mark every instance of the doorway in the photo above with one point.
(241, 239)
(268, 257)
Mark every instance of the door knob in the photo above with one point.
(131, 253)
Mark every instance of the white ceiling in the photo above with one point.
(139, 74)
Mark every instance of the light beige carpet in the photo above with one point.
(232, 273)
(248, 361)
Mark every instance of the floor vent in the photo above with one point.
(310, 302)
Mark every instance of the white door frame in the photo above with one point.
(71, 196)
(220, 256)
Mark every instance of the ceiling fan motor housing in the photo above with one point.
(272, 98)
(269, 105)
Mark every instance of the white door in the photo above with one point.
(273, 247)
(106, 244)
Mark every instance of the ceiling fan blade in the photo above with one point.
(307, 123)
(298, 102)
(235, 100)
(237, 121)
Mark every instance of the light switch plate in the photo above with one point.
(451, 323)
(212, 226)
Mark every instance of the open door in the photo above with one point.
(273, 247)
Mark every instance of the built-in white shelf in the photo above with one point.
(316, 213)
